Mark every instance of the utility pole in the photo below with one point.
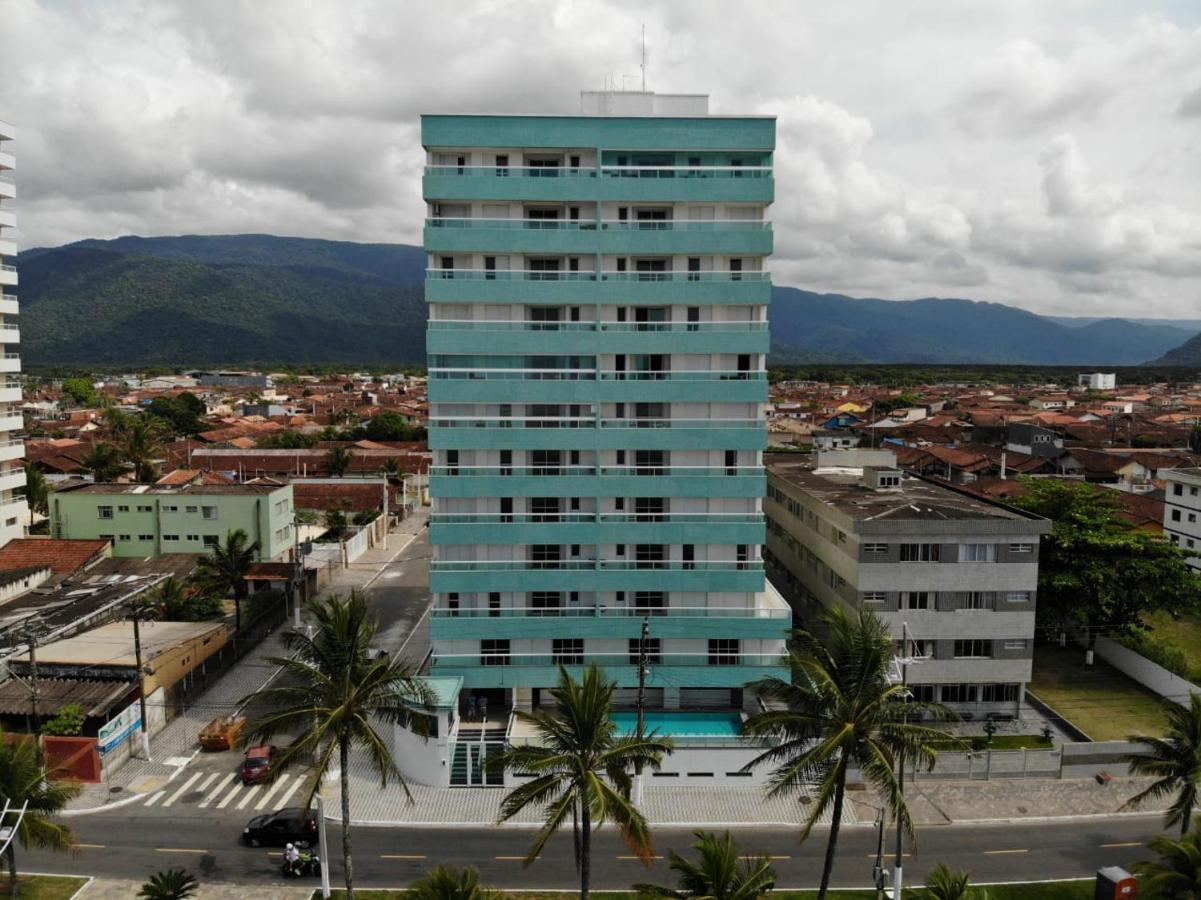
(137, 656)
(878, 869)
(641, 726)
(898, 878)
(32, 640)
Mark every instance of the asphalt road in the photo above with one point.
(135, 842)
(400, 596)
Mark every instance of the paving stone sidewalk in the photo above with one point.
(118, 889)
(175, 744)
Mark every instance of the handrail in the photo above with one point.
(593, 612)
(722, 275)
(584, 565)
(537, 518)
(716, 658)
(485, 222)
(510, 325)
(586, 422)
(482, 374)
(589, 471)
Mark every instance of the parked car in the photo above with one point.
(222, 733)
(285, 826)
(256, 766)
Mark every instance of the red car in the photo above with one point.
(256, 767)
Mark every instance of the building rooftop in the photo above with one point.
(915, 499)
(176, 489)
(62, 557)
(111, 645)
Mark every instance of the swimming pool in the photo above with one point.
(706, 724)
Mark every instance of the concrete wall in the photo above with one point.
(1150, 675)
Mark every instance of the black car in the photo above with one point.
(285, 826)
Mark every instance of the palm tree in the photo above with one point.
(332, 695)
(1174, 761)
(945, 883)
(444, 883)
(104, 462)
(225, 568)
(391, 466)
(174, 884)
(24, 779)
(840, 711)
(719, 873)
(170, 601)
(581, 770)
(37, 491)
(338, 461)
(1176, 875)
(140, 440)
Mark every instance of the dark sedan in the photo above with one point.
(285, 826)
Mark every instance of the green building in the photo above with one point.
(149, 519)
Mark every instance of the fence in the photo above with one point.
(1150, 675)
(75, 757)
(987, 764)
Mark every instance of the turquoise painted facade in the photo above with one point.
(597, 336)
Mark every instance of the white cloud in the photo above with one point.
(1035, 154)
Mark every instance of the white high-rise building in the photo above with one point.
(14, 511)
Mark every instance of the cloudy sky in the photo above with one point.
(1043, 154)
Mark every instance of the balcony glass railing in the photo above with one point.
(687, 225)
(624, 327)
(616, 612)
(543, 275)
(590, 375)
(511, 171)
(604, 171)
(604, 518)
(608, 659)
(8, 268)
(583, 422)
(605, 471)
(587, 565)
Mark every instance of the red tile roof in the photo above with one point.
(63, 557)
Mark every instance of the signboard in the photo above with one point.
(118, 728)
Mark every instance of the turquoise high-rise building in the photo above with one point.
(598, 302)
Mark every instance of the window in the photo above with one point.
(104, 512)
(193, 537)
(1015, 644)
(1178, 490)
(1021, 548)
(650, 603)
(977, 600)
(871, 549)
(123, 537)
(1175, 514)
(209, 512)
(545, 603)
(915, 599)
(973, 648)
(919, 552)
(724, 651)
(977, 552)
(959, 693)
(107, 537)
(494, 604)
(122, 509)
(143, 537)
(567, 651)
(654, 651)
(211, 540)
(494, 652)
(999, 693)
(145, 509)
(192, 509)
(171, 538)
(1017, 597)
(922, 693)
(875, 596)
(170, 509)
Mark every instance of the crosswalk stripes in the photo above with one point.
(216, 792)
(155, 798)
(283, 800)
(266, 798)
(249, 796)
(228, 797)
(183, 789)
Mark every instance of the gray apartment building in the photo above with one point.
(851, 529)
(1182, 510)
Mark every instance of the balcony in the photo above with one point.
(586, 575)
(8, 275)
(589, 385)
(10, 334)
(584, 481)
(10, 481)
(11, 392)
(9, 305)
(12, 422)
(741, 184)
(7, 247)
(8, 187)
(7, 160)
(17, 508)
(477, 336)
(11, 449)
(527, 286)
(8, 217)
(576, 236)
(588, 529)
(567, 433)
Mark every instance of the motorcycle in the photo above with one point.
(307, 864)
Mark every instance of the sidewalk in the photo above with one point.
(176, 745)
(118, 889)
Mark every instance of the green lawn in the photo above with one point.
(1182, 634)
(1097, 699)
(43, 887)
(1056, 890)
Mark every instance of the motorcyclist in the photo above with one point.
(291, 857)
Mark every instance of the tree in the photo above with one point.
(81, 391)
(840, 711)
(332, 695)
(387, 426)
(68, 721)
(581, 770)
(1097, 571)
(335, 521)
(1194, 439)
(1176, 875)
(174, 884)
(391, 466)
(287, 440)
(181, 414)
(1174, 761)
(140, 442)
(338, 460)
(104, 462)
(170, 601)
(224, 569)
(720, 872)
(445, 883)
(37, 491)
(945, 883)
(23, 778)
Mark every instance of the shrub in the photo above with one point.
(67, 723)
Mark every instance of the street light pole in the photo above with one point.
(641, 726)
(137, 655)
(322, 845)
(898, 878)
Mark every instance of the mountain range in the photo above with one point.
(243, 299)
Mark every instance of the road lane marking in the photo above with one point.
(887, 856)
(217, 790)
(203, 786)
(1123, 844)
(402, 856)
(224, 803)
(249, 796)
(155, 798)
(639, 858)
(87, 846)
(178, 850)
(1000, 852)
(517, 858)
(183, 789)
(266, 798)
(283, 801)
